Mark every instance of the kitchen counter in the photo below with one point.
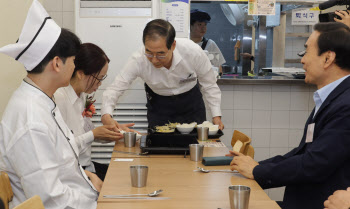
(267, 79)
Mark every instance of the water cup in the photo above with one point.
(129, 139)
(203, 133)
(138, 175)
(196, 152)
(239, 196)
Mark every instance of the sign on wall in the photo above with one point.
(177, 12)
(261, 7)
(304, 16)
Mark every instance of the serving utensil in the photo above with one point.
(152, 194)
(207, 171)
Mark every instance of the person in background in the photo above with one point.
(37, 149)
(339, 200)
(176, 73)
(198, 28)
(320, 164)
(91, 66)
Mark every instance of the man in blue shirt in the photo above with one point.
(320, 164)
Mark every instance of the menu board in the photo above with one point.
(177, 12)
(261, 7)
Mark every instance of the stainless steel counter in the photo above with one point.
(248, 80)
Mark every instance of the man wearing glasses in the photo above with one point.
(176, 74)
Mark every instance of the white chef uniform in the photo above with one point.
(38, 157)
(71, 107)
(212, 48)
(37, 149)
(189, 61)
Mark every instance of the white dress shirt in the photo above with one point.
(71, 107)
(212, 48)
(189, 60)
(37, 155)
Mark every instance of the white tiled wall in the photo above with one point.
(273, 115)
(62, 11)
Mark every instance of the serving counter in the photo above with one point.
(175, 175)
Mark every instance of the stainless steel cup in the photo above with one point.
(129, 139)
(203, 133)
(196, 152)
(138, 175)
(239, 196)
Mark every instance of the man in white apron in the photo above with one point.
(37, 149)
(177, 75)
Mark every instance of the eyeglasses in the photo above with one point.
(160, 57)
(302, 53)
(100, 79)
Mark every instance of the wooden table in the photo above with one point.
(176, 176)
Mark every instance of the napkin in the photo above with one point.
(221, 160)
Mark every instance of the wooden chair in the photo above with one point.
(32, 203)
(249, 151)
(6, 193)
(246, 148)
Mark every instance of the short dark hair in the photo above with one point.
(198, 15)
(159, 27)
(67, 45)
(90, 59)
(335, 37)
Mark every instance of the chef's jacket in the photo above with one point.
(189, 61)
(71, 107)
(212, 48)
(38, 151)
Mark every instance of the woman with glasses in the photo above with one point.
(91, 66)
(177, 74)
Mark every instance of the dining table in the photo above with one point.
(183, 185)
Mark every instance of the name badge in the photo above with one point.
(310, 133)
(188, 80)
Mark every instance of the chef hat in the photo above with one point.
(39, 34)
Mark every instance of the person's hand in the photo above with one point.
(125, 127)
(106, 132)
(339, 200)
(217, 121)
(246, 55)
(108, 120)
(95, 180)
(243, 164)
(345, 17)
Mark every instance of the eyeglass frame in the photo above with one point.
(100, 79)
(157, 56)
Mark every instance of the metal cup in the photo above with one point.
(129, 139)
(138, 175)
(239, 196)
(203, 133)
(196, 152)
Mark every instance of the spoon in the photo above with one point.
(207, 171)
(152, 194)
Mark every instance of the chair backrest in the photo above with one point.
(239, 136)
(32, 203)
(6, 193)
(249, 151)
